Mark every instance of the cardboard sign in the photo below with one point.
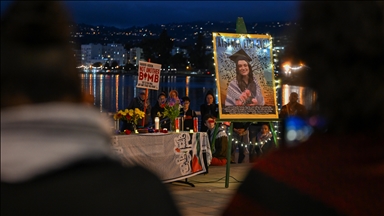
(148, 75)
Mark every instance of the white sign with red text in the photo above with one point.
(148, 75)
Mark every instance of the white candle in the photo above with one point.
(191, 131)
(157, 123)
(177, 130)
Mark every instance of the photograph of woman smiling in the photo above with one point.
(244, 90)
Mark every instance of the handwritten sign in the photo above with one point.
(148, 75)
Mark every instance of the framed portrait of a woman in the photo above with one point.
(245, 76)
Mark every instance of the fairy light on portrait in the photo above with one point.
(260, 48)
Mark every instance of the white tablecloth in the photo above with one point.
(172, 156)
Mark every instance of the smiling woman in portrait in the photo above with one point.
(244, 90)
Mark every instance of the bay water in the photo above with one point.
(113, 92)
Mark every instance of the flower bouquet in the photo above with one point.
(246, 99)
(129, 116)
(172, 110)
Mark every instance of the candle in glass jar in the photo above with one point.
(177, 123)
(157, 120)
(195, 123)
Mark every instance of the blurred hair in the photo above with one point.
(176, 92)
(185, 98)
(266, 124)
(209, 92)
(239, 77)
(37, 61)
(343, 44)
(207, 116)
(161, 94)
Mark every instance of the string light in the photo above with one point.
(250, 142)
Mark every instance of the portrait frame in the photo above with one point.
(259, 49)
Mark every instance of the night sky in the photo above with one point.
(123, 14)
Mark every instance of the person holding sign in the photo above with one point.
(244, 90)
(140, 102)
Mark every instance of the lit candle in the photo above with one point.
(177, 130)
(191, 131)
(157, 123)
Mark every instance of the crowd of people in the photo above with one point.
(55, 147)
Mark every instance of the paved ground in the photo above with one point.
(209, 196)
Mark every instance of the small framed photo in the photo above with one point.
(245, 76)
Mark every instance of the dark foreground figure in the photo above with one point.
(339, 170)
(56, 157)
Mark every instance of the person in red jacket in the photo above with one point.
(219, 150)
(338, 170)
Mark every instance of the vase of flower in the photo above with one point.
(172, 111)
(172, 126)
(127, 126)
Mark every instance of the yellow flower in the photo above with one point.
(129, 115)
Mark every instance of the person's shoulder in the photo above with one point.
(221, 133)
(109, 177)
(233, 81)
(301, 105)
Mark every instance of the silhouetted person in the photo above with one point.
(141, 103)
(339, 169)
(293, 108)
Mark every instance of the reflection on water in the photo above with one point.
(113, 92)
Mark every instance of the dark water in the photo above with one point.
(113, 92)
